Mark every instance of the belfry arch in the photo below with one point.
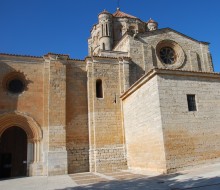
(32, 130)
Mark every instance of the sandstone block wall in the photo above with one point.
(143, 128)
(160, 128)
(191, 137)
(142, 50)
(152, 129)
(30, 102)
(196, 53)
(77, 132)
(107, 151)
(57, 162)
(32, 69)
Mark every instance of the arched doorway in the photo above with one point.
(13, 153)
(30, 134)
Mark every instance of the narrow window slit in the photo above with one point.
(115, 99)
(103, 46)
(99, 90)
(107, 30)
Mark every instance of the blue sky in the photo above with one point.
(36, 27)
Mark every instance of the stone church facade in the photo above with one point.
(144, 98)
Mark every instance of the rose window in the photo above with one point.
(167, 55)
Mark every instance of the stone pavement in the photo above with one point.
(203, 178)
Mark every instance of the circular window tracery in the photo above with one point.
(167, 55)
(170, 54)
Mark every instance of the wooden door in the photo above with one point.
(13, 153)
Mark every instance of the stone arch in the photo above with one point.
(27, 123)
(34, 136)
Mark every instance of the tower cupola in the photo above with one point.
(152, 25)
(106, 37)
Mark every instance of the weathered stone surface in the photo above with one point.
(105, 119)
(143, 131)
(124, 106)
(160, 131)
(191, 138)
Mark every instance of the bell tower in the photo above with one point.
(105, 23)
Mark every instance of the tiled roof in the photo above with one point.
(151, 21)
(105, 11)
(119, 13)
(31, 56)
(50, 53)
(9, 54)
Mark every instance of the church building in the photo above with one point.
(144, 98)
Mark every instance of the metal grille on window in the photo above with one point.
(191, 102)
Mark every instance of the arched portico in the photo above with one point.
(32, 130)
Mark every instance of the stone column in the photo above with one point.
(30, 156)
(34, 164)
(91, 123)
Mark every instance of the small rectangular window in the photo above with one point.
(191, 102)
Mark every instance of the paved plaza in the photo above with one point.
(203, 178)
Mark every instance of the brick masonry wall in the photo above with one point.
(191, 138)
(143, 128)
(77, 132)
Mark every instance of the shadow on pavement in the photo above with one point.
(163, 182)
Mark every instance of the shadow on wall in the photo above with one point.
(8, 100)
(13, 84)
(166, 182)
(13, 159)
(135, 73)
(77, 132)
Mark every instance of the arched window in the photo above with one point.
(99, 90)
(103, 46)
(107, 30)
(103, 30)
